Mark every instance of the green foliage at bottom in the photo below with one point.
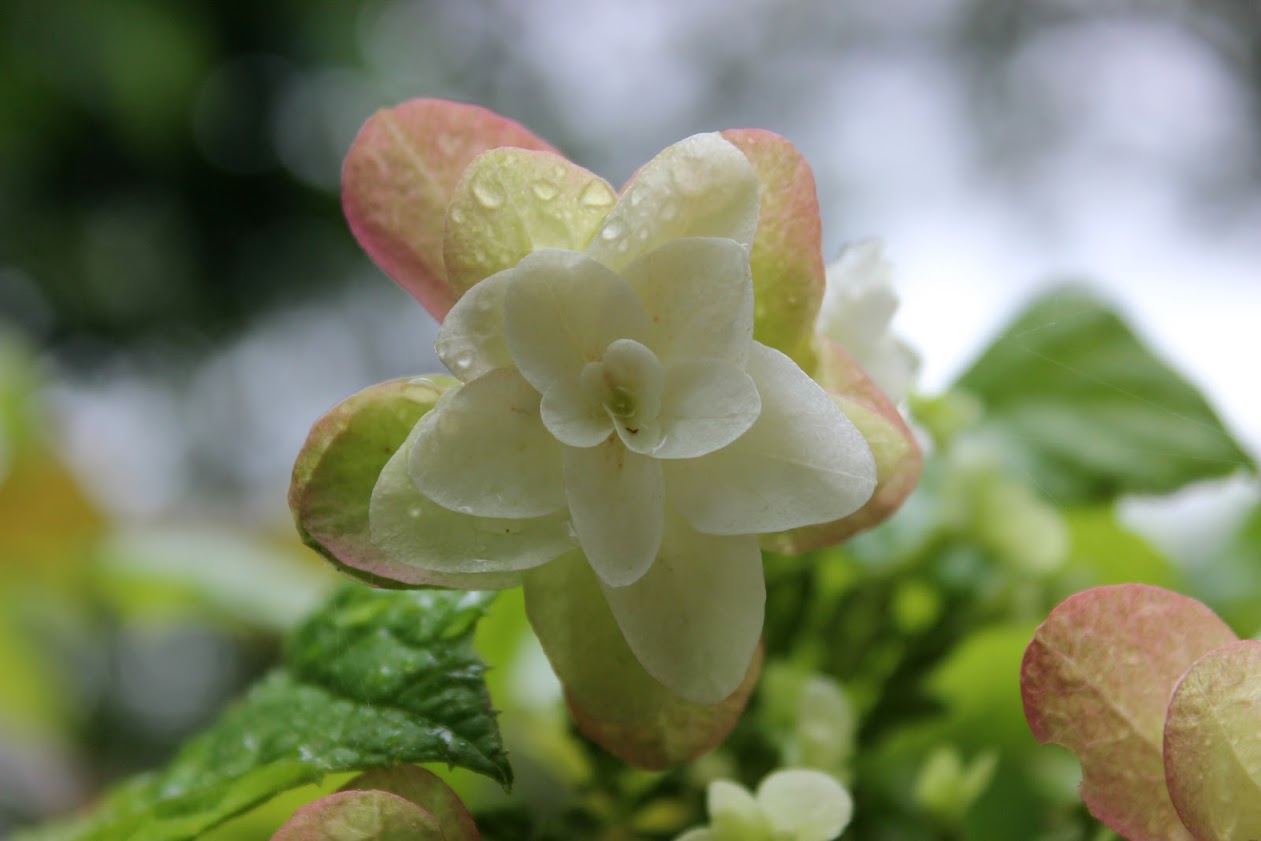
(373, 678)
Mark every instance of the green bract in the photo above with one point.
(629, 392)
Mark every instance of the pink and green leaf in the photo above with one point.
(898, 455)
(1213, 744)
(338, 467)
(426, 790)
(509, 202)
(614, 701)
(398, 179)
(361, 816)
(1097, 678)
(787, 260)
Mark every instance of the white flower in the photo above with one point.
(858, 307)
(614, 401)
(790, 805)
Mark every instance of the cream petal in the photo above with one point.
(698, 292)
(702, 186)
(802, 462)
(617, 500)
(694, 619)
(805, 805)
(484, 450)
(412, 529)
(562, 311)
(471, 340)
(573, 415)
(707, 405)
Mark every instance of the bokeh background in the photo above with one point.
(180, 299)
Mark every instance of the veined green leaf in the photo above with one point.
(1089, 412)
(374, 678)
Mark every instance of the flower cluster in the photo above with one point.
(639, 393)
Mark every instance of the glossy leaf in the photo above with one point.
(613, 699)
(1089, 412)
(1097, 678)
(399, 176)
(1213, 744)
(374, 678)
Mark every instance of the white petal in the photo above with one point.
(801, 463)
(484, 450)
(562, 311)
(805, 805)
(471, 340)
(414, 530)
(699, 294)
(571, 413)
(700, 833)
(733, 813)
(707, 405)
(693, 620)
(617, 501)
(699, 187)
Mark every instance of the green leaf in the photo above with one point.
(374, 678)
(1089, 412)
(1212, 745)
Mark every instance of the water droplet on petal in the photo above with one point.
(622, 246)
(612, 230)
(464, 509)
(545, 190)
(457, 215)
(558, 172)
(488, 194)
(596, 195)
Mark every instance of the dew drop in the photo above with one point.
(457, 216)
(612, 230)
(464, 509)
(596, 195)
(622, 246)
(488, 194)
(558, 172)
(545, 190)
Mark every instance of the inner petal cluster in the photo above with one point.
(626, 385)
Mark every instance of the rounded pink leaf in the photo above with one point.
(426, 790)
(787, 259)
(360, 816)
(399, 176)
(1097, 678)
(1213, 744)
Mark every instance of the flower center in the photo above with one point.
(627, 384)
